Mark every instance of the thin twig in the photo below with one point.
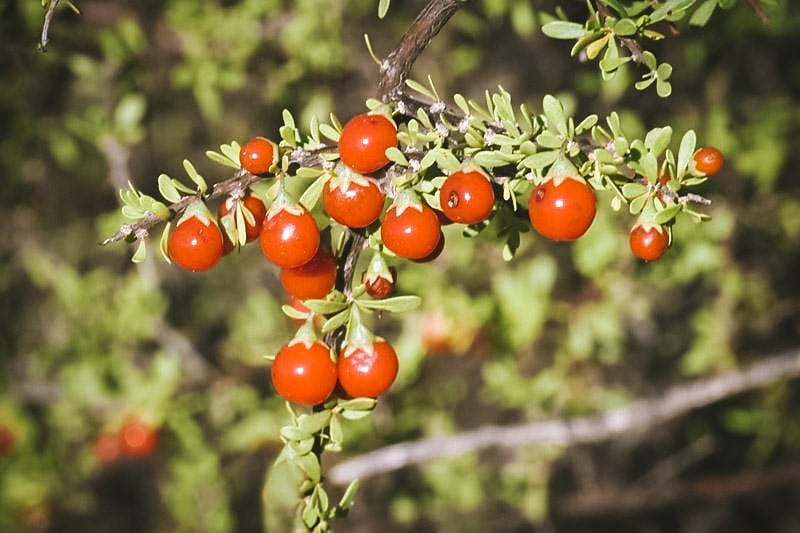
(48, 16)
(637, 416)
(758, 8)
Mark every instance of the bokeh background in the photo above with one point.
(127, 90)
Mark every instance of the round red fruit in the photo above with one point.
(355, 205)
(7, 440)
(466, 197)
(314, 279)
(380, 286)
(413, 233)
(289, 239)
(195, 245)
(368, 370)
(648, 243)
(364, 140)
(562, 212)
(137, 438)
(106, 447)
(304, 372)
(258, 155)
(708, 161)
(254, 206)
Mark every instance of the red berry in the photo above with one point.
(256, 209)
(106, 448)
(314, 279)
(289, 239)
(355, 205)
(364, 140)
(195, 245)
(708, 161)
(368, 370)
(466, 197)
(648, 243)
(562, 212)
(304, 372)
(7, 440)
(137, 438)
(413, 234)
(257, 155)
(380, 287)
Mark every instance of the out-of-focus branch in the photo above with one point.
(637, 416)
(194, 367)
(604, 501)
(758, 9)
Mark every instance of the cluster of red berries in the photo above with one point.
(136, 438)
(648, 241)
(304, 372)
(561, 208)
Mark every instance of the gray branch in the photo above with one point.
(637, 416)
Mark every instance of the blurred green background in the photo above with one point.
(127, 90)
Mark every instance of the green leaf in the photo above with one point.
(308, 172)
(293, 312)
(195, 176)
(383, 8)
(685, 152)
(141, 251)
(329, 132)
(355, 415)
(311, 195)
(336, 321)
(657, 140)
(703, 13)
(309, 463)
(667, 214)
(554, 111)
(301, 447)
(396, 156)
(231, 151)
(335, 431)
(358, 404)
(593, 49)
(314, 422)
(663, 88)
(310, 515)
(563, 29)
(491, 159)
(446, 160)
(632, 190)
(294, 433)
(610, 64)
(167, 189)
(221, 159)
(462, 103)
(326, 307)
(349, 494)
(397, 304)
(549, 140)
(540, 160)
(421, 89)
(625, 27)
(637, 204)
